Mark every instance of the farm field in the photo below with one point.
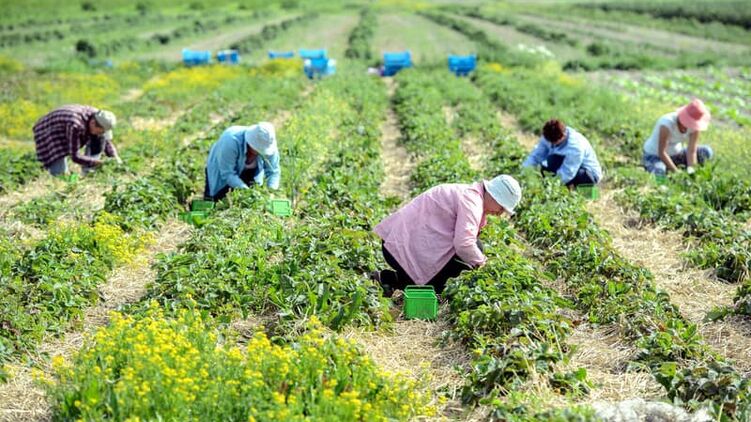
(635, 305)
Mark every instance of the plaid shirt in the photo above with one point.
(64, 131)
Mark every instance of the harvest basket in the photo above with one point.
(420, 302)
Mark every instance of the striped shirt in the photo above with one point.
(64, 131)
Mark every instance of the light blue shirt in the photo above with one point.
(576, 149)
(227, 161)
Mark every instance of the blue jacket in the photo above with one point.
(577, 151)
(227, 161)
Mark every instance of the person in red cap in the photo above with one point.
(666, 149)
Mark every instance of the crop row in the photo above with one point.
(361, 36)
(49, 284)
(535, 97)
(418, 102)
(601, 53)
(503, 312)
(245, 262)
(609, 290)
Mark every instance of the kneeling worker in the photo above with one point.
(241, 155)
(567, 153)
(434, 237)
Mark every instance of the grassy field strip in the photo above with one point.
(657, 39)
(427, 41)
(512, 37)
(220, 40)
(326, 31)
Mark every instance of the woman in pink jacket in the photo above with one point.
(434, 237)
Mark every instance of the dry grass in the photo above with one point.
(397, 162)
(413, 348)
(21, 399)
(694, 291)
(42, 185)
(153, 124)
(605, 356)
(132, 95)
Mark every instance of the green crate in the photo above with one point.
(196, 218)
(201, 205)
(591, 192)
(420, 302)
(280, 207)
(70, 178)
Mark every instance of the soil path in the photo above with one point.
(397, 162)
(694, 291)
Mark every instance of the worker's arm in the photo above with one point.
(74, 134)
(693, 143)
(467, 227)
(662, 149)
(227, 159)
(537, 155)
(273, 171)
(110, 150)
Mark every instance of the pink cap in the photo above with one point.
(695, 115)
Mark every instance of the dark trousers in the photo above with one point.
(398, 279)
(582, 177)
(246, 176)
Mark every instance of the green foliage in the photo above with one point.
(361, 37)
(17, 168)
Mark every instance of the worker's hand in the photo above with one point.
(690, 170)
(97, 163)
(118, 160)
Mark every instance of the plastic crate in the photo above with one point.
(196, 218)
(194, 58)
(70, 178)
(313, 54)
(281, 54)
(228, 56)
(462, 65)
(591, 192)
(420, 302)
(319, 67)
(201, 205)
(280, 207)
(394, 62)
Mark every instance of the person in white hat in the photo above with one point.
(434, 237)
(65, 130)
(665, 149)
(241, 155)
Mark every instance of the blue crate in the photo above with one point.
(281, 54)
(313, 54)
(319, 67)
(394, 62)
(462, 65)
(228, 56)
(195, 58)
